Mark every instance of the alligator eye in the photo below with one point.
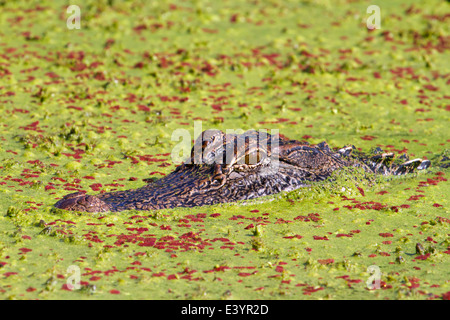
(254, 157)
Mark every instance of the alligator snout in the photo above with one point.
(80, 201)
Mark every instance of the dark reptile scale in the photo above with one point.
(281, 165)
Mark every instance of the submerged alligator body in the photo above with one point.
(230, 167)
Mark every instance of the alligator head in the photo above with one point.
(232, 167)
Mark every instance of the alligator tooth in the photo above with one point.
(410, 165)
(382, 157)
(407, 163)
(346, 151)
(424, 165)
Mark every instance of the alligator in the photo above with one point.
(232, 167)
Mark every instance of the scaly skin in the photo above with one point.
(229, 167)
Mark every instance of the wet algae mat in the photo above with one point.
(93, 109)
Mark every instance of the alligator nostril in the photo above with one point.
(424, 165)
